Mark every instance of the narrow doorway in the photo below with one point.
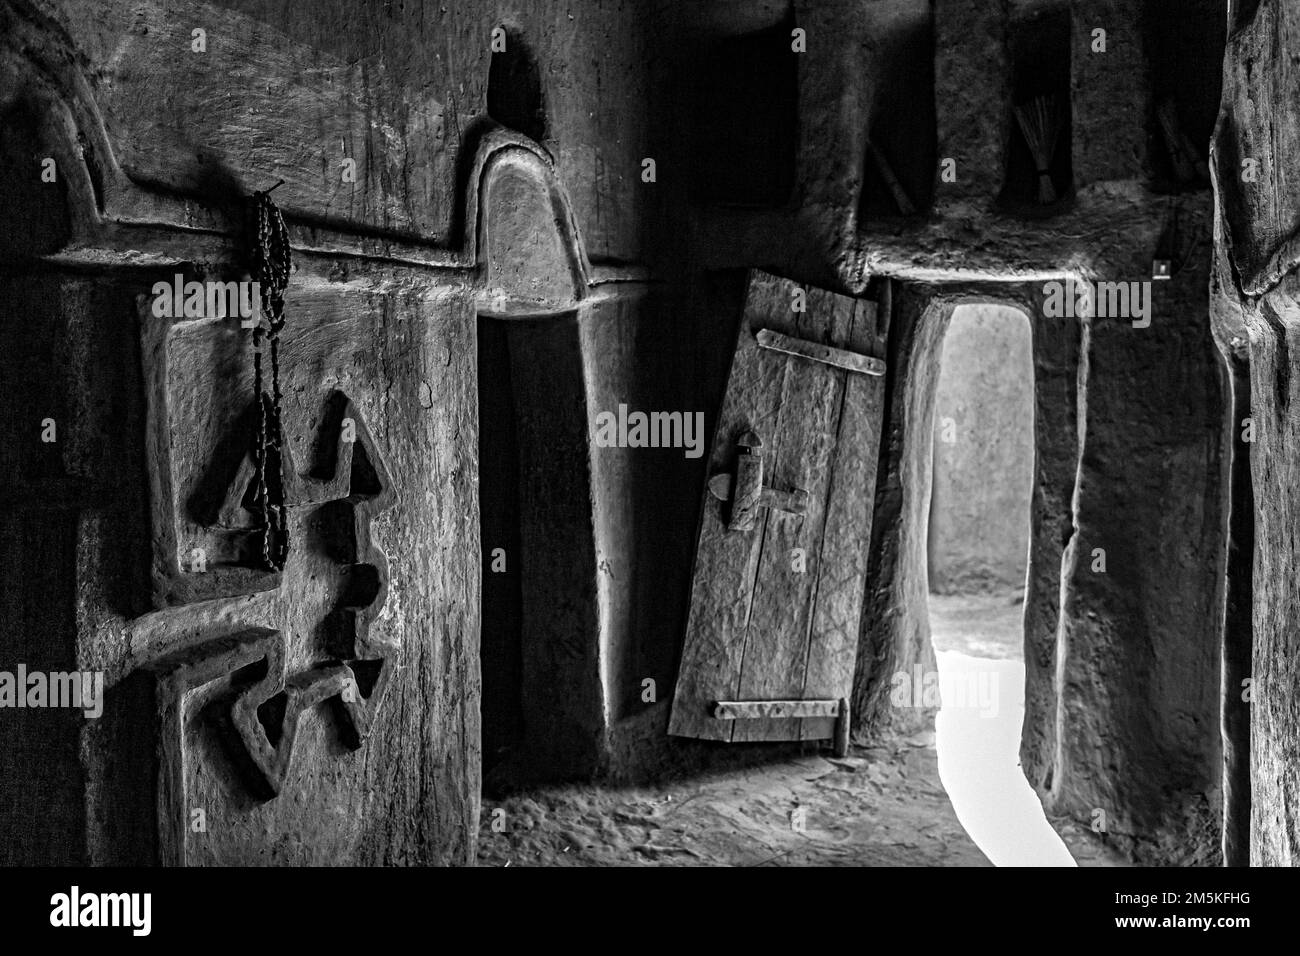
(500, 640)
(542, 700)
(978, 547)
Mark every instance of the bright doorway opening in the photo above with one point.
(978, 546)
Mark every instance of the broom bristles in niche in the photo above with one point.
(1040, 123)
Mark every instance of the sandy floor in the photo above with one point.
(979, 646)
(977, 641)
(978, 625)
(878, 807)
(882, 806)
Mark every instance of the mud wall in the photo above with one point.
(1255, 315)
(327, 712)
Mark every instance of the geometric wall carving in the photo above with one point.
(245, 681)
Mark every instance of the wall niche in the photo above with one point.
(1039, 177)
(39, 221)
(900, 161)
(1178, 35)
(746, 123)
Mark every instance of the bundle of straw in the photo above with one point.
(1040, 123)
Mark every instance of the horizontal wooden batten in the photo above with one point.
(757, 709)
(827, 354)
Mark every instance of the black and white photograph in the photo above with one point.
(648, 434)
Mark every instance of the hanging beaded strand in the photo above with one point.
(270, 269)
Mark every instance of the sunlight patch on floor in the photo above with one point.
(978, 731)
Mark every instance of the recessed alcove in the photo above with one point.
(1039, 175)
(39, 218)
(900, 161)
(540, 609)
(1178, 36)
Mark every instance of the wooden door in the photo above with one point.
(781, 561)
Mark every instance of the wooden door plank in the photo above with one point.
(754, 632)
(776, 649)
(845, 547)
(726, 562)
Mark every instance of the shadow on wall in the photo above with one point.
(541, 705)
(983, 453)
(514, 93)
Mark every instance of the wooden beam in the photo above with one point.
(827, 354)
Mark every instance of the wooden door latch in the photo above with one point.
(746, 490)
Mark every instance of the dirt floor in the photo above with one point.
(981, 625)
(880, 806)
(986, 631)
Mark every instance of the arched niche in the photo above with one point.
(545, 630)
(42, 90)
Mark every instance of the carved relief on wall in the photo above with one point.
(289, 723)
(245, 655)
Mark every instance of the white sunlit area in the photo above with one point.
(978, 547)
